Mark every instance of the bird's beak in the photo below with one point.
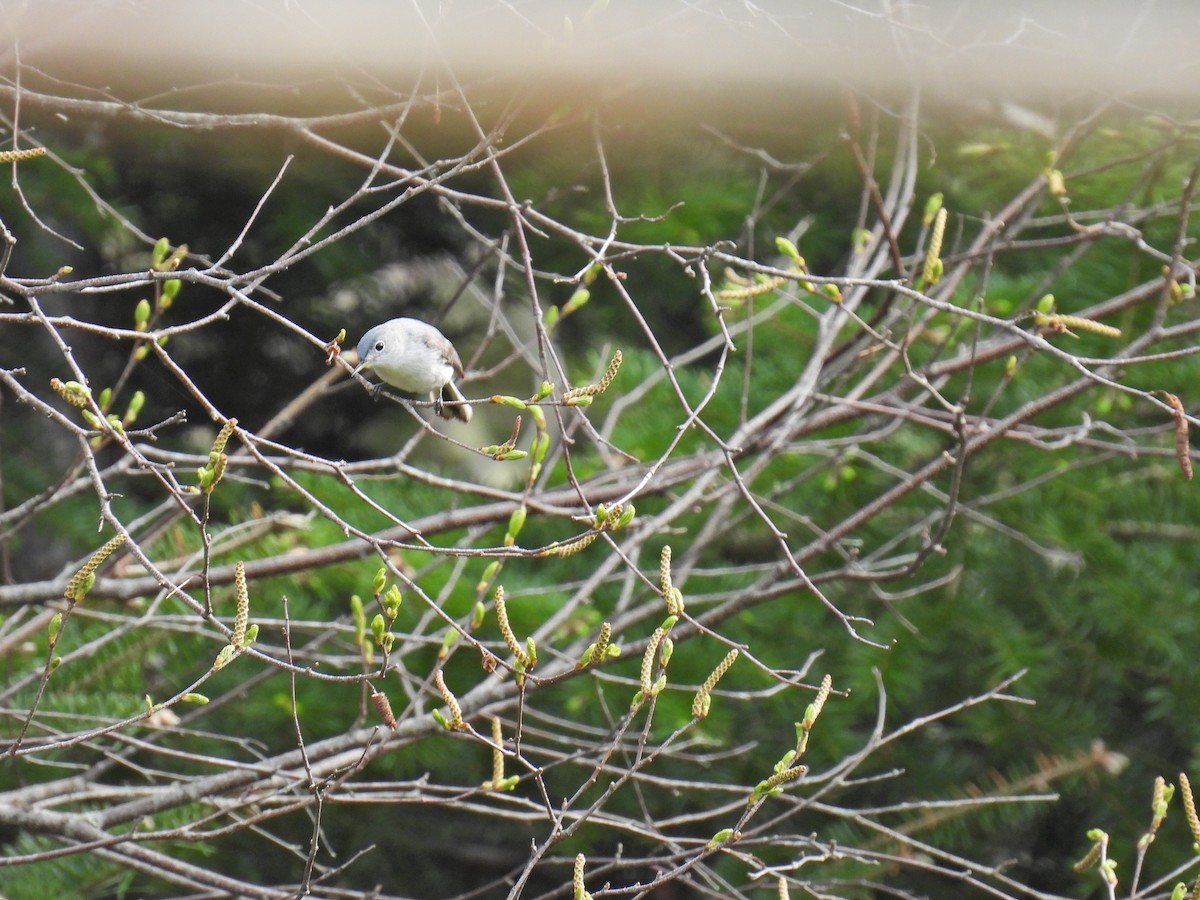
(361, 365)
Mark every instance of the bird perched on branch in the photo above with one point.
(418, 359)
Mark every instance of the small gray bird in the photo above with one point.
(418, 359)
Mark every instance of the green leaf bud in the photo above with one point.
(587, 655)
(71, 391)
(1045, 304)
(477, 614)
(550, 317)
(159, 253)
(788, 249)
(539, 418)
(380, 582)
(378, 626)
(170, 290)
(54, 626)
(172, 262)
(85, 585)
(578, 299)
(666, 650)
(134, 409)
(675, 603)
(141, 314)
(488, 574)
(192, 697)
(541, 444)
(392, 601)
(932, 205)
(508, 400)
(601, 519)
(720, 837)
(626, 516)
(762, 789)
(512, 455)
(516, 521)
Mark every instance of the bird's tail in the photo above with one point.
(459, 410)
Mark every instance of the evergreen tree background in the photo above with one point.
(951, 472)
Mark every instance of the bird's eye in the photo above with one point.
(379, 346)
